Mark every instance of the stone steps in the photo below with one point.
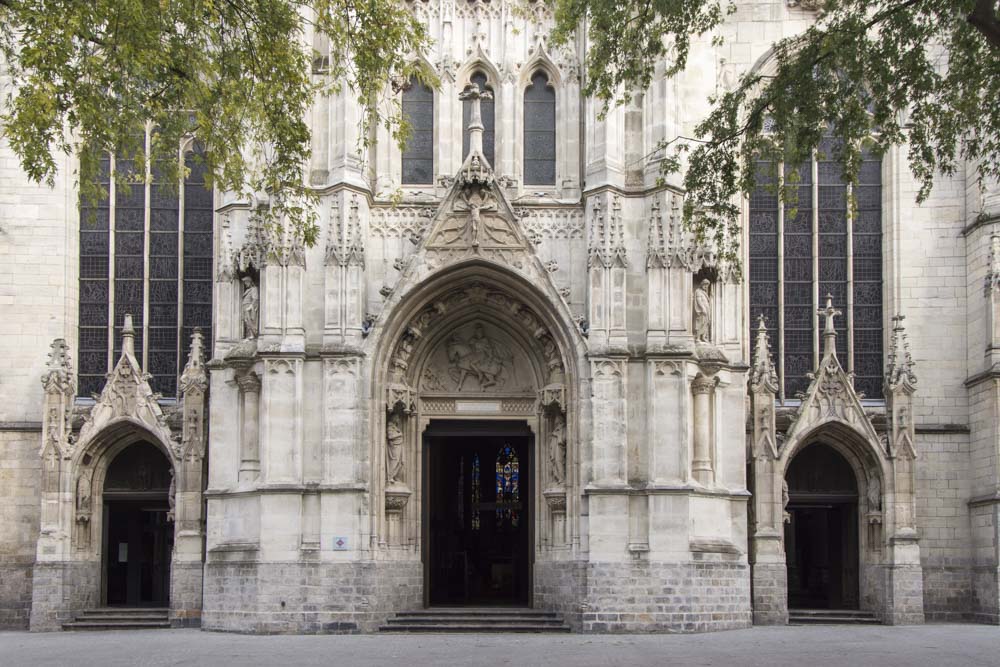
(487, 619)
(831, 617)
(120, 618)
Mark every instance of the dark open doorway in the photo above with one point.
(138, 538)
(821, 538)
(478, 514)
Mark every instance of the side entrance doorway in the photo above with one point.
(478, 514)
(821, 537)
(138, 538)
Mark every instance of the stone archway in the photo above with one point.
(475, 345)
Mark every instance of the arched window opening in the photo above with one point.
(487, 110)
(508, 498)
(159, 269)
(802, 250)
(418, 156)
(539, 131)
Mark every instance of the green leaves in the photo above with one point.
(920, 74)
(91, 78)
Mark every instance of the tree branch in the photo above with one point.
(984, 19)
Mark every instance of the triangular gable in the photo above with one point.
(126, 395)
(831, 398)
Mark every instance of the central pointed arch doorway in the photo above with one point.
(479, 512)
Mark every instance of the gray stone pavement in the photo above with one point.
(814, 646)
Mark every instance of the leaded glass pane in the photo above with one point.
(92, 354)
(418, 156)
(539, 131)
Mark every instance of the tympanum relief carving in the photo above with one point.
(475, 358)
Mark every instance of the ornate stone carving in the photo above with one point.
(394, 449)
(557, 450)
(127, 395)
(703, 312)
(401, 222)
(899, 374)
(193, 385)
(479, 357)
(59, 385)
(250, 308)
(474, 355)
(555, 224)
(831, 396)
(346, 244)
(607, 236)
(874, 493)
(762, 374)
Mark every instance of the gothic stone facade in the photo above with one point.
(577, 309)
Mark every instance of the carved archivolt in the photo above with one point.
(473, 359)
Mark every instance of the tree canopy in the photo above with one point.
(240, 75)
(924, 74)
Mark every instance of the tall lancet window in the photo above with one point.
(486, 109)
(539, 131)
(150, 256)
(803, 250)
(508, 491)
(418, 156)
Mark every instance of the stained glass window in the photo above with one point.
(800, 251)
(418, 156)
(539, 131)
(487, 111)
(158, 269)
(476, 493)
(507, 486)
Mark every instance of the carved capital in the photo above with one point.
(248, 382)
(703, 385)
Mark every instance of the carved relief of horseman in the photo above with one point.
(480, 357)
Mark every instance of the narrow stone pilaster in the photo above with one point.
(249, 384)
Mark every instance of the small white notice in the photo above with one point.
(340, 544)
(477, 406)
(123, 552)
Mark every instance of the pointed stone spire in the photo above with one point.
(194, 375)
(899, 374)
(763, 375)
(128, 337)
(476, 170)
(829, 332)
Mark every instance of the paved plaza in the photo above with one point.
(815, 646)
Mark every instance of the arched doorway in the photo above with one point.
(821, 530)
(137, 535)
(479, 512)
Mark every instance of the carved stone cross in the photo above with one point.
(829, 332)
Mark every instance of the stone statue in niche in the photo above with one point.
(703, 312)
(557, 450)
(874, 494)
(394, 449)
(251, 308)
(83, 496)
(172, 496)
(479, 357)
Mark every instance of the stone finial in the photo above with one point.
(899, 374)
(194, 375)
(128, 336)
(475, 169)
(58, 376)
(829, 332)
(762, 375)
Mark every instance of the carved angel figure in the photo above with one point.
(703, 313)
(250, 307)
(394, 450)
(557, 450)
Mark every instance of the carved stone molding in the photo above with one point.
(555, 499)
(346, 242)
(395, 500)
(607, 235)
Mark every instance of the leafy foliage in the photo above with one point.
(924, 74)
(240, 75)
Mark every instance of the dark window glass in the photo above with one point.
(539, 132)
(145, 275)
(487, 110)
(418, 156)
(94, 252)
(197, 253)
(795, 344)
